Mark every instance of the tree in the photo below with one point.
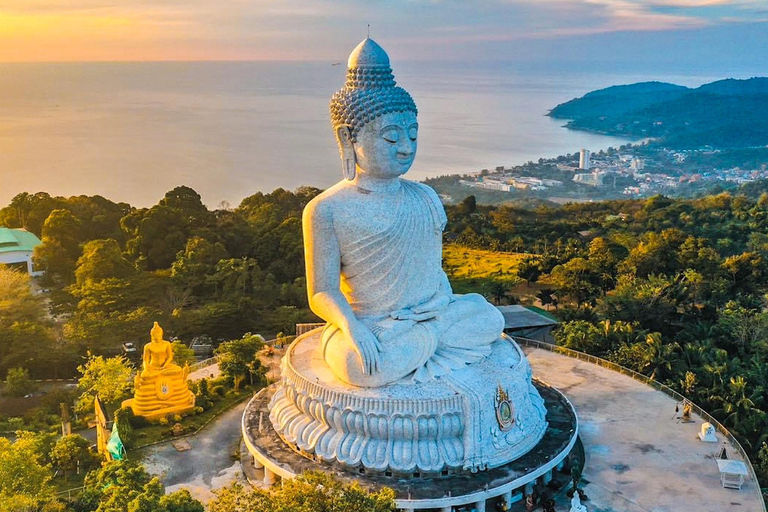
(529, 269)
(761, 467)
(238, 357)
(469, 204)
(182, 354)
(312, 491)
(18, 383)
(102, 259)
(739, 408)
(658, 356)
(71, 453)
(24, 481)
(577, 280)
(25, 336)
(38, 443)
(124, 486)
(181, 501)
(61, 245)
(108, 378)
(746, 270)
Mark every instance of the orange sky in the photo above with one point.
(66, 30)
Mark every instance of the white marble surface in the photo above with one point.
(446, 423)
(373, 247)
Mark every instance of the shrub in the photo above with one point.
(218, 390)
(18, 383)
(163, 421)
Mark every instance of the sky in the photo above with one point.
(589, 31)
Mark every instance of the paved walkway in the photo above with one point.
(212, 462)
(638, 458)
(209, 372)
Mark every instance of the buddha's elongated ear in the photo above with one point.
(347, 150)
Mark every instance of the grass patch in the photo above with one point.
(481, 271)
(475, 270)
(156, 432)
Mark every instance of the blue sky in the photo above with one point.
(483, 30)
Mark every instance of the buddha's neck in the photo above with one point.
(376, 185)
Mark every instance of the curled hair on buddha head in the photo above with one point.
(369, 92)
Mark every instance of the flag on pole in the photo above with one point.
(115, 446)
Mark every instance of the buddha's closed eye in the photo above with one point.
(390, 135)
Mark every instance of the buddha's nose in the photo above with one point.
(406, 149)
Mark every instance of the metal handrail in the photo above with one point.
(204, 363)
(654, 384)
(69, 492)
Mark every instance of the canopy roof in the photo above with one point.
(732, 467)
(15, 240)
(521, 317)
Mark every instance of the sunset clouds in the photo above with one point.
(51, 30)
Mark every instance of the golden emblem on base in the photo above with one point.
(505, 410)
(161, 387)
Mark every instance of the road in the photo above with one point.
(212, 462)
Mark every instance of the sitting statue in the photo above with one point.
(373, 246)
(161, 387)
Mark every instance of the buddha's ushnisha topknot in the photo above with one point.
(370, 90)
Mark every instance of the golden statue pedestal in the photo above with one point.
(162, 393)
(161, 387)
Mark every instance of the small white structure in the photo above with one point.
(732, 473)
(576, 505)
(17, 247)
(707, 433)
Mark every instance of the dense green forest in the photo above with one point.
(673, 288)
(724, 114)
(113, 269)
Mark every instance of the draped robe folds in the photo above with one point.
(400, 268)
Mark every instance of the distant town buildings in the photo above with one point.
(584, 162)
(631, 171)
(16, 249)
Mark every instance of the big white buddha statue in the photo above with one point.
(406, 376)
(373, 246)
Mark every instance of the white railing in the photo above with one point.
(204, 363)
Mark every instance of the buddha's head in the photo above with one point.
(156, 334)
(374, 121)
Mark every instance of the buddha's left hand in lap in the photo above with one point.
(426, 311)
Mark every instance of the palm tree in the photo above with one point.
(738, 408)
(658, 355)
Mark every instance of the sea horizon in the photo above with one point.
(131, 131)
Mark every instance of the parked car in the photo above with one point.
(128, 348)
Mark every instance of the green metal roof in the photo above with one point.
(12, 240)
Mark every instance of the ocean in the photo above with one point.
(132, 131)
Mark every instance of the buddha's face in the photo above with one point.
(386, 146)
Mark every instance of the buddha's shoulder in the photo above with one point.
(330, 199)
(424, 189)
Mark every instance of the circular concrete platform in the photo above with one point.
(424, 492)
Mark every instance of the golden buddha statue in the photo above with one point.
(161, 387)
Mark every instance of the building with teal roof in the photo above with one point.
(16, 249)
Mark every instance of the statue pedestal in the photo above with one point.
(478, 417)
(162, 393)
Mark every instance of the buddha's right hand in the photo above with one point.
(366, 346)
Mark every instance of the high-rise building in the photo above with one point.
(584, 159)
